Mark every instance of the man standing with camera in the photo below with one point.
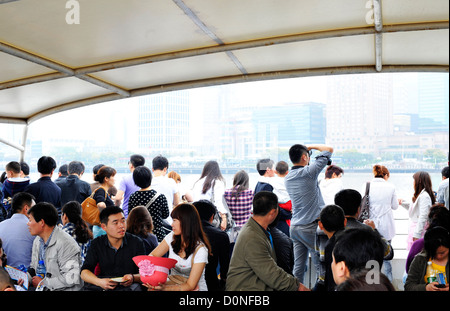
(303, 188)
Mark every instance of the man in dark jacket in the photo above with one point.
(12, 185)
(45, 190)
(220, 244)
(72, 187)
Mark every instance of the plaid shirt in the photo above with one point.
(241, 209)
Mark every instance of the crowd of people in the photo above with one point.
(222, 238)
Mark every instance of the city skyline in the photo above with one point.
(208, 115)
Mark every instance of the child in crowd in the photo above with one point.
(284, 201)
(332, 222)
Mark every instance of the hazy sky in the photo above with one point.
(105, 121)
(83, 122)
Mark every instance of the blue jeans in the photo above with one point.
(387, 267)
(303, 237)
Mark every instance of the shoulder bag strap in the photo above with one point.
(93, 193)
(152, 200)
(367, 187)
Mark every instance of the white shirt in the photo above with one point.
(329, 188)
(166, 186)
(279, 188)
(382, 199)
(184, 266)
(418, 212)
(219, 190)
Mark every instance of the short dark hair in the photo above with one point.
(5, 280)
(296, 152)
(356, 247)
(142, 176)
(439, 215)
(25, 168)
(434, 238)
(349, 200)
(21, 199)
(46, 165)
(264, 202)
(108, 211)
(45, 211)
(357, 282)
(96, 168)
(282, 167)
(137, 160)
(3, 177)
(63, 170)
(76, 167)
(264, 164)
(160, 163)
(445, 172)
(13, 166)
(332, 218)
(205, 209)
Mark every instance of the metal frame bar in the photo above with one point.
(82, 72)
(378, 21)
(24, 143)
(6, 1)
(200, 24)
(235, 79)
(261, 43)
(23, 146)
(15, 146)
(64, 71)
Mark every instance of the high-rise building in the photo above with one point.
(433, 102)
(359, 111)
(164, 122)
(285, 125)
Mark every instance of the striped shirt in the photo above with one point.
(303, 189)
(240, 208)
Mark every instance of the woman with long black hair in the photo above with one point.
(211, 187)
(76, 227)
(422, 201)
(239, 199)
(189, 245)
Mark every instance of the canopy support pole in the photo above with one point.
(22, 147)
(378, 20)
(24, 143)
(15, 146)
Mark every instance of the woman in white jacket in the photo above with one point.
(422, 199)
(383, 200)
(211, 187)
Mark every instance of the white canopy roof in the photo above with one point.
(125, 48)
